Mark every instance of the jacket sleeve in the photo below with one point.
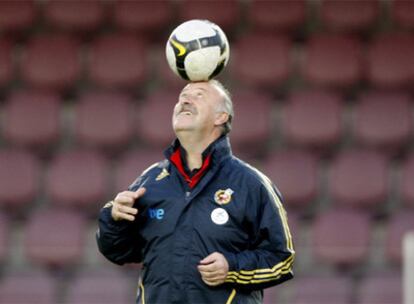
(270, 256)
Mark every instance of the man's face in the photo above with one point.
(196, 109)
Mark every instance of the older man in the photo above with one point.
(208, 227)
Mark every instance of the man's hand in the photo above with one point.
(214, 269)
(122, 205)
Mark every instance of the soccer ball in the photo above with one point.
(197, 50)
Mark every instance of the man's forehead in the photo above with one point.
(202, 86)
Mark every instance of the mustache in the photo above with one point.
(185, 108)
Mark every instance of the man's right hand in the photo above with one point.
(122, 205)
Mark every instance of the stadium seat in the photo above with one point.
(16, 16)
(333, 61)
(104, 286)
(271, 295)
(117, 60)
(145, 16)
(380, 288)
(28, 287)
(349, 16)
(6, 62)
(251, 130)
(32, 119)
(269, 65)
(276, 16)
(402, 14)
(359, 178)
(406, 189)
(313, 119)
(4, 237)
(321, 289)
(74, 15)
(167, 78)
(295, 173)
(226, 14)
(133, 163)
(54, 237)
(51, 61)
(341, 237)
(112, 125)
(19, 175)
(154, 118)
(77, 178)
(390, 63)
(383, 120)
(400, 223)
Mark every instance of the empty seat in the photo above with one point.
(19, 175)
(402, 13)
(133, 163)
(268, 65)
(333, 60)
(406, 188)
(95, 286)
(383, 120)
(399, 224)
(271, 295)
(54, 237)
(28, 287)
(112, 125)
(390, 63)
(380, 288)
(350, 16)
(167, 77)
(359, 178)
(4, 237)
(341, 237)
(17, 15)
(6, 62)
(280, 16)
(77, 178)
(32, 119)
(51, 61)
(117, 61)
(295, 173)
(313, 119)
(74, 15)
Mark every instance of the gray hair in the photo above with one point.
(226, 106)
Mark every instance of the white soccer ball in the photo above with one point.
(197, 50)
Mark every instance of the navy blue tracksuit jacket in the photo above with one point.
(231, 208)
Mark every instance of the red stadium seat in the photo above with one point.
(19, 175)
(271, 295)
(383, 120)
(406, 183)
(349, 16)
(32, 119)
(78, 178)
(321, 289)
(54, 237)
(399, 224)
(100, 287)
(333, 61)
(380, 288)
(28, 287)
(117, 60)
(133, 163)
(167, 77)
(280, 16)
(154, 118)
(359, 178)
(17, 15)
(226, 14)
(6, 62)
(402, 13)
(390, 61)
(341, 237)
(295, 173)
(112, 125)
(51, 61)
(4, 237)
(267, 66)
(251, 129)
(313, 119)
(75, 15)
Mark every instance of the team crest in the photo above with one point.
(223, 197)
(164, 173)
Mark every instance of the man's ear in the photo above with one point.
(221, 118)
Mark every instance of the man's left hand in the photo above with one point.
(213, 269)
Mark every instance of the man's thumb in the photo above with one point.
(140, 192)
(208, 259)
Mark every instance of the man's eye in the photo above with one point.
(199, 94)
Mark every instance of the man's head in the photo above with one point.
(203, 107)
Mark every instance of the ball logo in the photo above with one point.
(181, 48)
(219, 216)
(223, 197)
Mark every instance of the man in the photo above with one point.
(208, 227)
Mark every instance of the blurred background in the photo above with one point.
(323, 95)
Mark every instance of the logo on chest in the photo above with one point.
(157, 214)
(223, 197)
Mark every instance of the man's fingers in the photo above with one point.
(209, 259)
(123, 216)
(207, 268)
(140, 192)
(129, 210)
(124, 199)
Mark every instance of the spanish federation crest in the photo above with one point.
(223, 197)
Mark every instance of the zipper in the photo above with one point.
(231, 297)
